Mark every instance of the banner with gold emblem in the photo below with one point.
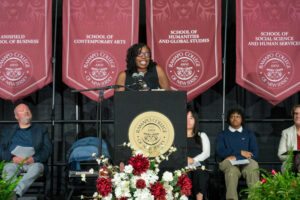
(268, 47)
(25, 47)
(96, 36)
(185, 38)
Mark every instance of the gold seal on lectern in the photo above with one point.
(152, 133)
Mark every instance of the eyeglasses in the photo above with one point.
(146, 54)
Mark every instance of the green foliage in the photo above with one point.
(7, 186)
(276, 186)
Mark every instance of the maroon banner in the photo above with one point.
(185, 39)
(25, 47)
(97, 34)
(268, 53)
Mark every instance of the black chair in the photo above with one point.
(75, 186)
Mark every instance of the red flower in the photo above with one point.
(104, 186)
(103, 171)
(263, 180)
(140, 184)
(122, 198)
(186, 185)
(273, 172)
(139, 163)
(158, 191)
(185, 191)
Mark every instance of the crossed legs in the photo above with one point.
(33, 171)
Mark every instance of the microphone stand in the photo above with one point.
(99, 110)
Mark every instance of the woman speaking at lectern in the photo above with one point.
(142, 69)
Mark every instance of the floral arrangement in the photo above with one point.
(139, 180)
(7, 186)
(275, 185)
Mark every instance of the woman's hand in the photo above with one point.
(190, 161)
(122, 166)
(246, 154)
(230, 158)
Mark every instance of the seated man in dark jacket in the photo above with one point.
(237, 144)
(25, 135)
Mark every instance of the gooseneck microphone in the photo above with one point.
(139, 80)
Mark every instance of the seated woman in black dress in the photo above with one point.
(139, 60)
(198, 150)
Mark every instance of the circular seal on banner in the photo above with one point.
(275, 69)
(15, 68)
(184, 68)
(151, 132)
(99, 68)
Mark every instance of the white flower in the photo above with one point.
(150, 177)
(133, 181)
(156, 170)
(93, 154)
(139, 152)
(143, 194)
(169, 190)
(167, 176)
(157, 159)
(183, 197)
(178, 173)
(95, 194)
(172, 149)
(83, 178)
(118, 177)
(98, 161)
(91, 171)
(123, 190)
(169, 195)
(108, 197)
(203, 167)
(109, 167)
(81, 197)
(128, 169)
(168, 187)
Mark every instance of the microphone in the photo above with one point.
(139, 80)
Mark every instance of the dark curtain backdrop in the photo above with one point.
(267, 121)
